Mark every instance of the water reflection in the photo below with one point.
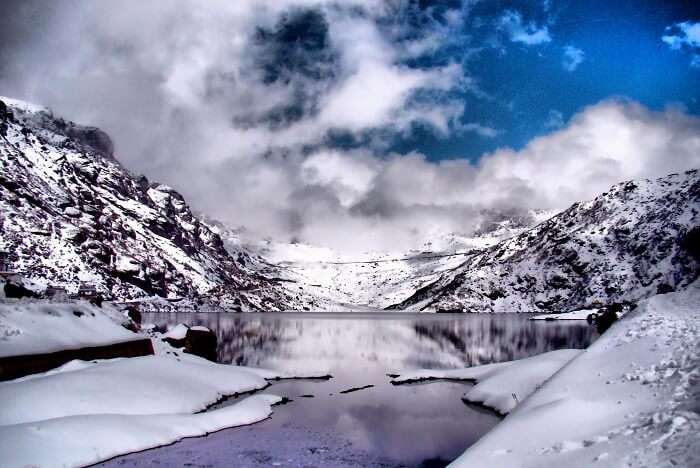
(423, 425)
(329, 342)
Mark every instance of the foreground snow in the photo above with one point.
(88, 439)
(502, 385)
(85, 412)
(631, 399)
(144, 385)
(28, 327)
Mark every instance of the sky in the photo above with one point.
(369, 124)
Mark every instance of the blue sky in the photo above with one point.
(530, 90)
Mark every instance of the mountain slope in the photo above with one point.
(635, 240)
(370, 280)
(72, 213)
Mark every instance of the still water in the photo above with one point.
(422, 425)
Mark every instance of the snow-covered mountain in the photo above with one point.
(638, 239)
(70, 213)
(336, 281)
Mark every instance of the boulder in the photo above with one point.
(202, 342)
(71, 211)
(17, 291)
(199, 341)
(134, 314)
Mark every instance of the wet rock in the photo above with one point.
(201, 342)
(134, 314)
(605, 318)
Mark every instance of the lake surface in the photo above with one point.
(422, 425)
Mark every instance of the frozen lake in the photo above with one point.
(424, 425)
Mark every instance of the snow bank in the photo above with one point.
(84, 440)
(145, 385)
(574, 315)
(503, 385)
(45, 327)
(85, 412)
(630, 399)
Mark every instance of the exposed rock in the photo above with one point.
(134, 314)
(201, 342)
(17, 291)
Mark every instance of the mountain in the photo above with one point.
(638, 239)
(337, 281)
(70, 213)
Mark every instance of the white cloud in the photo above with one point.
(604, 144)
(483, 130)
(178, 85)
(685, 35)
(573, 57)
(399, 202)
(519, 31)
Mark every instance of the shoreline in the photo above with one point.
(627, 392)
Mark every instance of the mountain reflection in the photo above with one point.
(292, 342)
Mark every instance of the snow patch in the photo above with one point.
(42, 327)
(85, 440)
(630, 399)
(500, 386)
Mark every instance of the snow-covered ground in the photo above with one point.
(142, 385)
(42, 327)
(631, 399)
(500, 386)
(581, 314)
(85, 412)
(88, 439)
